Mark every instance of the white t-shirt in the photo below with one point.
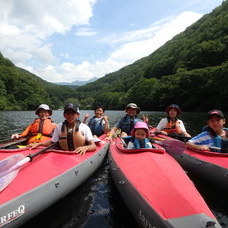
(83, 128)
(163, 122)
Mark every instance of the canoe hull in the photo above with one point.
(150, 202)
(215, 175)
(23, 207)
(208, 166)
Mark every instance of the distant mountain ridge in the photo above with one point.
(77, 82)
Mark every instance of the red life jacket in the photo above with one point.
(41, 130)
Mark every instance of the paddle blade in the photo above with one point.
(7, 179)
(172, 146)
(8, 170)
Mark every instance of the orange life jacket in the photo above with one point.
(71, 138)
(40, 130)
(172, 127)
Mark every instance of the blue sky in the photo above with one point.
(68, 40)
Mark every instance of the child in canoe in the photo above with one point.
(214, 134)
(42, 127)
(98, 124)
(171, 125)
(140, 134)
(126, 124)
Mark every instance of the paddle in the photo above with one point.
(171, 146)
(10, 142)
(218, 149)
(10, 166)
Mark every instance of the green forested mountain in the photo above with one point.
(21, 90)
(190, 70)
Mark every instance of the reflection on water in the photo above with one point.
(97, 203)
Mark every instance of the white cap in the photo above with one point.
(45, 107)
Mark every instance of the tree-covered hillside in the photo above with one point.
(21, 90)
(190, 70)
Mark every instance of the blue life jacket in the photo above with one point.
(138, 144)
(218, 140)
(96, 127)
(127, 123)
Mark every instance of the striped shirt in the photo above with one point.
(204, 138)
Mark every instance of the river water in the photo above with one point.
(96, 203)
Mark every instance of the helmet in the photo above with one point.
(45, 107)
(140, 125)
(134, 106)
(173, 106)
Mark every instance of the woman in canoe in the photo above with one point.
(42, 127)
(214, 134)
(171, 125)
(98, 124)
(71, 135)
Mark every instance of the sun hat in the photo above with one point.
(73, 107)
(215, 112)
(140, 125)
(134, 106)
(173, 106)
(45, 107)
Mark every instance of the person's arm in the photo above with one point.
(111, 133)
(106, 125)
(24, 133)
(145, 119)
(161, 125)
(83, 149)
(193, 146)
(183, 129)
(85, 118)
(44, 143)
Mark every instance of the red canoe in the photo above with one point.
(209, 166)
(157, 190)
(44, 180)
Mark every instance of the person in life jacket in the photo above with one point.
(126, 124)
(214, 135)
(140, 134)
(71, 135)
(99, 123)
(42, 127)
(171, 125)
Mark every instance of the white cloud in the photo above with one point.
(134, 45)
(85, 32)
(26, 25)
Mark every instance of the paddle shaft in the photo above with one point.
(13, 142)
(27, 159)
(10, 139)
(31, 156)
